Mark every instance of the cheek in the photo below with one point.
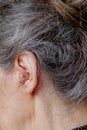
(11, 108)
(7, 85)
(14, 114)
(2, 99)
(11, 115)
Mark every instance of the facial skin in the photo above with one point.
(29, 102)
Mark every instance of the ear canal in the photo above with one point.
(24, 78)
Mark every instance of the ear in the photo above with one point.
(26, 65)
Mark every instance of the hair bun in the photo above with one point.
(74, 11)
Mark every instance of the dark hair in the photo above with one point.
(56, 32)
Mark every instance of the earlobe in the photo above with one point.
(27, 67)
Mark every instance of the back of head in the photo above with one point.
(56, 32)
(73, 11)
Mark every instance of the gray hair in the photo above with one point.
(57, 41)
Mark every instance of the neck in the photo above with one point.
(55, 115)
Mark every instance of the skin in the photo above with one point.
(29, 102)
